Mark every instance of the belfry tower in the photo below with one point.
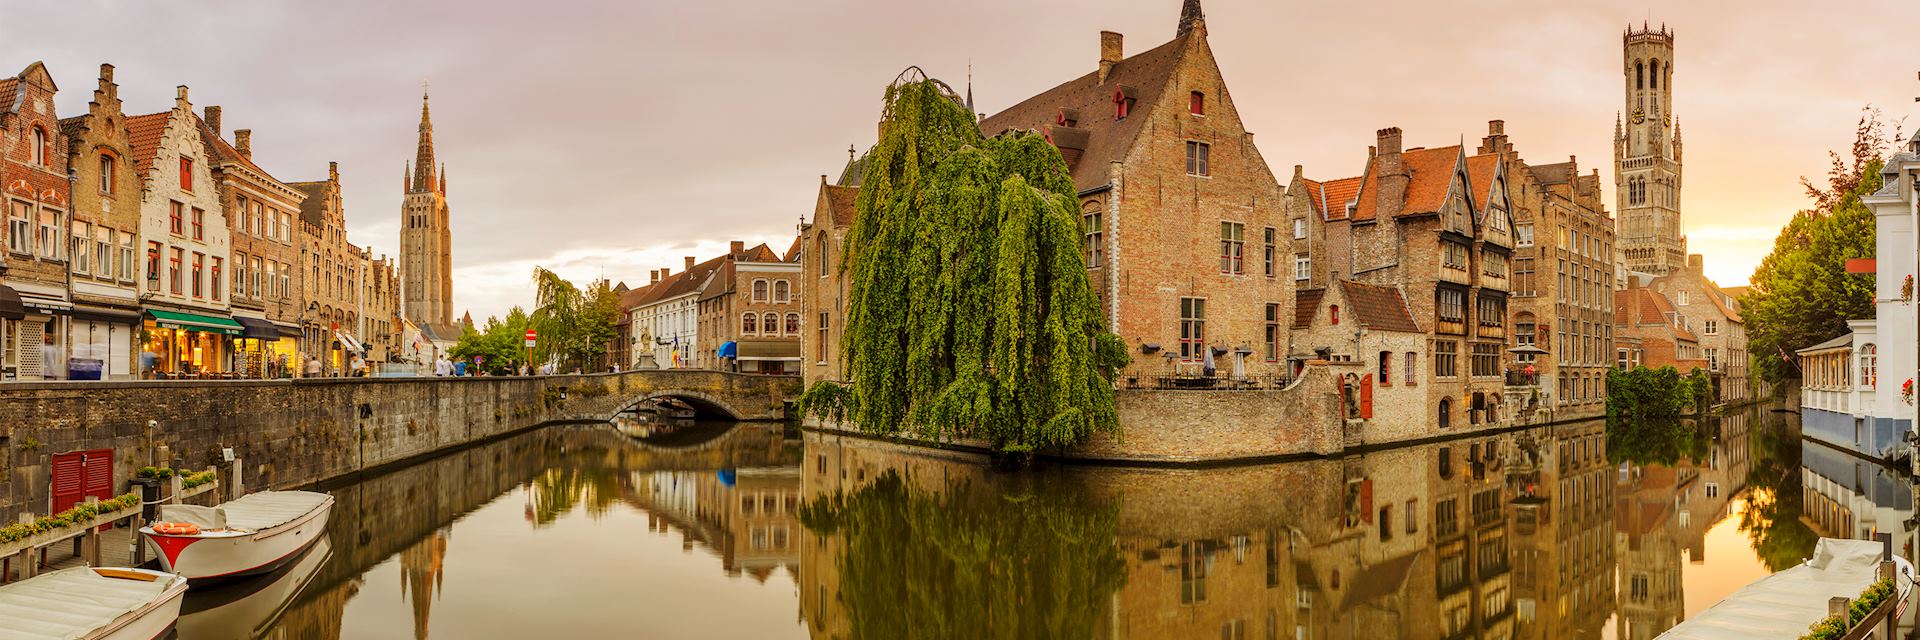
(1646, 157)
(426, 242)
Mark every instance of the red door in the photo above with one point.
(1366, 396)
(79, 474)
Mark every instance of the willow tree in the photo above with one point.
(969, 309)
(574, 325)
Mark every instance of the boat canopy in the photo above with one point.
(72, 603)
(1784, 604)
(268, 509)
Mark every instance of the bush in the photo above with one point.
(1831, 629)
(197, 479)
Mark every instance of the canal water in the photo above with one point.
(697, 530)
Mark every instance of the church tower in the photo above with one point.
(426, 243)
(1646, 157)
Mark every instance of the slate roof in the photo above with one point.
(143, 135)
(1144, 76)
(1378, 308)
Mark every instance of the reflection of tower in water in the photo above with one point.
(423, 575)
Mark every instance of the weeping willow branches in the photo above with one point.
(969, 309)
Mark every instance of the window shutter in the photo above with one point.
(1366, 396)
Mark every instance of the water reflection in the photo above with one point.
(677, 529)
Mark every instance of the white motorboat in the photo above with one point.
(88, 603)
(251, 535)
(247, 609)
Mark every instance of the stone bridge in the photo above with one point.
(296, 432)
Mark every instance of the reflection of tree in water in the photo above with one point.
(970, 562)
(1772, 520)
(1661, 441)
(556, 492)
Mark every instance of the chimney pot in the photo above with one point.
(212, 118)
(1388, 140)
(689, 263)
(243, 142)
(1111, 51)
(653, 276)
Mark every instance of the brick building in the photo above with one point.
(664, 317)
(749, 312)
(190, 330)
(1428, 232)
(35, 307)
(260, 213)
(1562, 281)
(332, 271)
(823, 292)
(106, 217)
(1649, 332)
(1714, 317)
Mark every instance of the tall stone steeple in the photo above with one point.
(426, 239)
(1647, 156)
(423, 163)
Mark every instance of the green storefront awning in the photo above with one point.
(196, 322)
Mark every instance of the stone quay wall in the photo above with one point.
(291, 433)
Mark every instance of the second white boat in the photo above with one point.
(251, 535)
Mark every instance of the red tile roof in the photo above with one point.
(1330, 198)
(793, 251)
(1429, 178)
(1645, 307)
(1108, 137)
(143, 135)
(1305, 305)
(1378, 308)
(1480, 172)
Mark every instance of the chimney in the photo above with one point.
(1391, 174)
(1696, 263)
(653, 276)
(736, 248)
(333, 171)
(1110, 53)
(689, 263)
(243, 142)
(180, 98)
(213, 118)
(1496, 140)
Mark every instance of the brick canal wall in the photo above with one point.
(296, 432)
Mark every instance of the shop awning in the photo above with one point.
(258, 328)
(196, 322)
(728, 349)
(105, 314)
(10, 307)
(769, 350)
(348, 342)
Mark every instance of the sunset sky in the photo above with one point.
(616, 137)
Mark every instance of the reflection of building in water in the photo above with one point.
(1848, 497)
(315, 616)
(747, 516)
(1662, 513)
(1562, 532)
(423, 576)
(1413, 542)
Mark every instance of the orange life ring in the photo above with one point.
(176, 528)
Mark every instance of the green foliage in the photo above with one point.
(1774, 518)
(1644, 392)
(575, 326)
(154, 472)
(1830, 628)
(1801, 293)
(501, 344)
(80, 514)
(196, 479)
(826, 399)
(970, 313)
(970, 563)
(1663, 441)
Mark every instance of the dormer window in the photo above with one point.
(1197, 104)
(1123, 99)
(1067, 118)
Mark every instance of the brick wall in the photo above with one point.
(296, 432)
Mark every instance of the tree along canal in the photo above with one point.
(718, 530)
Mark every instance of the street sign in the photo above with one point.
(529, 343)
(531, 335)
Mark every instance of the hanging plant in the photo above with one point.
(1906, 289)
(970, 312)
(1906, 391)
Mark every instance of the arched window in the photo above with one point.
(1445, 417)
(770, 323)
(780, 291)
(1869, 365)
(820, 250)
(759, 291)
(749, 324)
(39, 146)
(1654, 82)
(1639, 75)
(793, 324)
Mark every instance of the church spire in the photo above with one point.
(423, 179)
(1191, 16)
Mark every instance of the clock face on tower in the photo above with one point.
(1639, 115)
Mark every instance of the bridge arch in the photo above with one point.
(704, 404)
